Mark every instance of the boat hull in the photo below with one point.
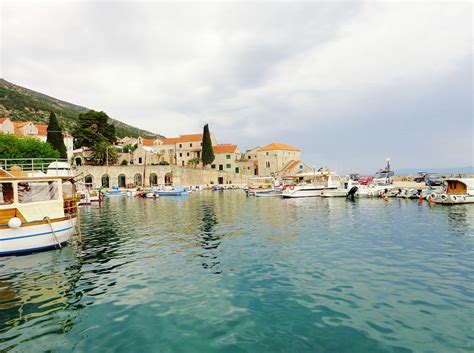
(304, 192)
(447, 199)
(32, 237)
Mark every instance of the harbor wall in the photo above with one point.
(158, 175)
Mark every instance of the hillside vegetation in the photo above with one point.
(22, 104)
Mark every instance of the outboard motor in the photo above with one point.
(351, 194)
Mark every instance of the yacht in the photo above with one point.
(313, 185)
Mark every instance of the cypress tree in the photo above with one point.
(207, 151)
(55, 135)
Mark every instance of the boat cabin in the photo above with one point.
(33, 198)
(459, 186)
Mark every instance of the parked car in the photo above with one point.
(383, 178)
(434, 179)
(420, 177)
(365, 180)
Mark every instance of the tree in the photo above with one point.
(55, 135)
(207, 151)
(12, 146)
(194, 162)
(103, 152)
(93, 129)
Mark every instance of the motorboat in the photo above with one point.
(457, 191)
(36, 212)
(172, 191)
(314, 185)
(349, 186)
(264, 186)
(114, 192)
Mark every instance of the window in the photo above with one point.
(267, 153)
(37, 191)
(182, 163)
(139, 160)
(6, 193)
(221, 167)
(187, 154)
(267, 164)
(190, 145)
(180, 145)
(228, 166)
(201, 144)
(213, 166)
(180, 154)
(227, 156)
(250, 157)
(237, 171)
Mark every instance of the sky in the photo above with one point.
(349, 83)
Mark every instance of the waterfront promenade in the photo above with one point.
(152, 175)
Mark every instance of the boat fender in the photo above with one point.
(462, 198)
(14, 223)
(292, 187)
(444, 197)
(454, 198)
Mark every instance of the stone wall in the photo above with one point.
(185, 176)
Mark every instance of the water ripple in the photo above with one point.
(219, 272)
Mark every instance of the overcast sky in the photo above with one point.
(348, 83)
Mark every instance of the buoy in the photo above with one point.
(14, 223)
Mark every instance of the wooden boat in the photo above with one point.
(36, 212)
(458, 191)
(264, 186)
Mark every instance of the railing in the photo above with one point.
(31, 164)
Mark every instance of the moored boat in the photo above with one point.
(114, 192)
(458, 191)
(314, 185)
(172, 191)
(36, 212)
(264, 186)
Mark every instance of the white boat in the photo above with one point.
(458, 191)
(36, 213)
(314, 185)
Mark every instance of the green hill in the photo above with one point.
(22, 104)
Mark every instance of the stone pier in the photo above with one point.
(156, 175)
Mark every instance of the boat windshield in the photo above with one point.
(384, 174)
(37, 191)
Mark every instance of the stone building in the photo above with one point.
(227, 157)
(273, 158)
(180, 150)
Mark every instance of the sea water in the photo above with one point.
(221, 272)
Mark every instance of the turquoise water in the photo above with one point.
(219, 272)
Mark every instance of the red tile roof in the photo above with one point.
(2, 120)
(148, 142)
(293, 164)
(279, 147)
(224, 148)
(183, 138)
(42, 129)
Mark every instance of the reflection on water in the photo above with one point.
(219, 272)
(209, 240)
